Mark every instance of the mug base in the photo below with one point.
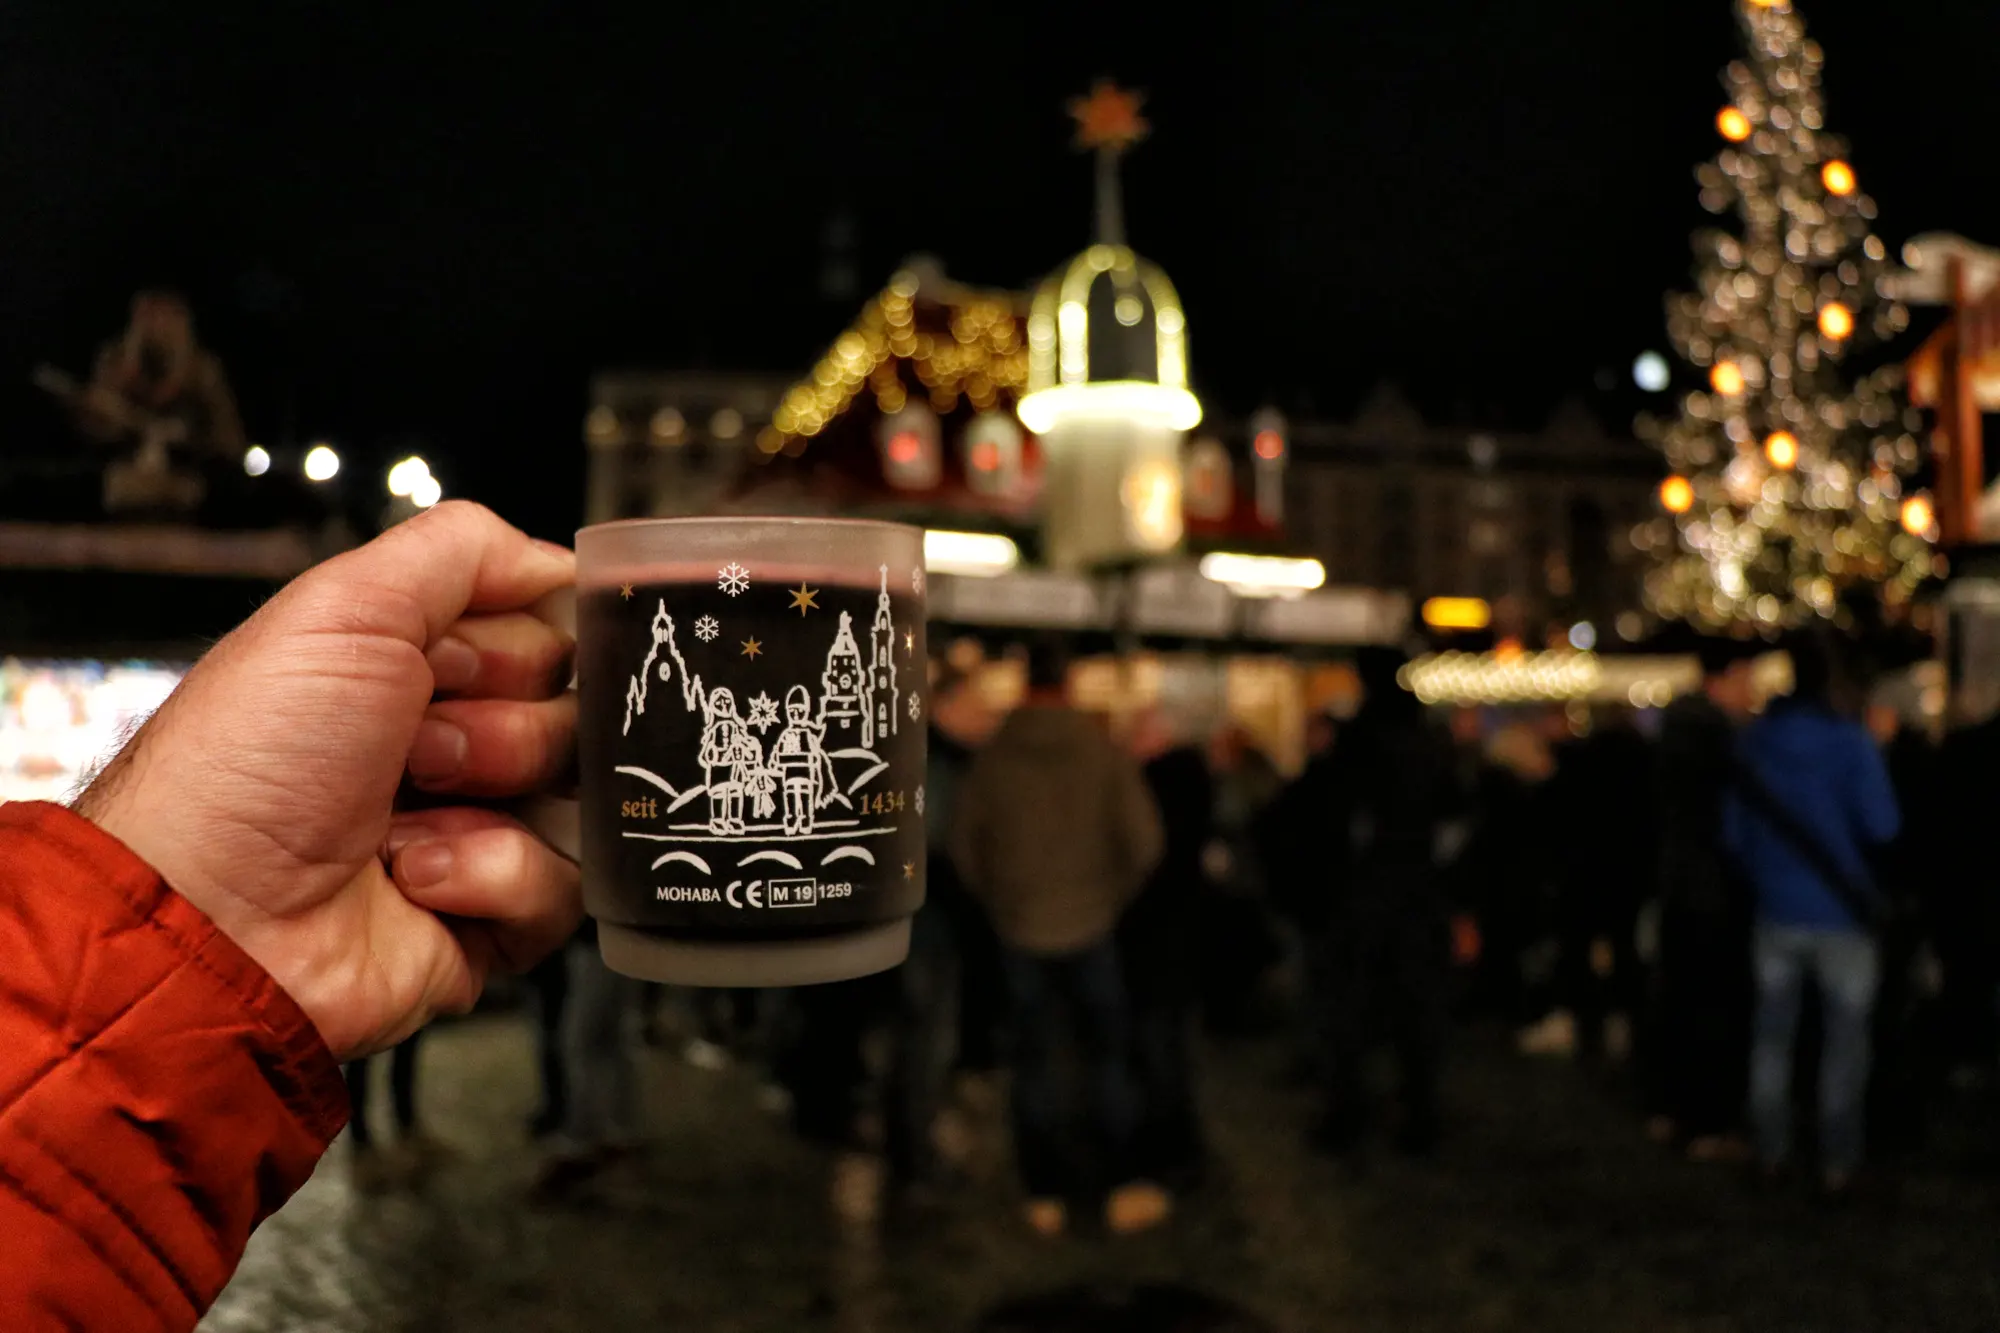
(650, 956)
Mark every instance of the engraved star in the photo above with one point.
(802, 599)
(751, 648)
(625, 591)
(909, 870)
(909, 641)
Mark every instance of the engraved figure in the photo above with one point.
(804, 769)
(733, 765)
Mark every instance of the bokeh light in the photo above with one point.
(322, 463)
(1650, 372)
(1918, 515)
(403, 477)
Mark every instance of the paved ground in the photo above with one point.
(1547, 1212)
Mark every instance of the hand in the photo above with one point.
(264, 790)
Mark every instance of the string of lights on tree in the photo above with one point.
(1788, 482)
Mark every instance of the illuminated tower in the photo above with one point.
(1107, 375)
(882, 669)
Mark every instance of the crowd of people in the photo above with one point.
(1710, 905)
(1759, 912)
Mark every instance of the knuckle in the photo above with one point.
(458, 513)
(512, 858)
(539, 732)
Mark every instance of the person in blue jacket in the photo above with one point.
(1826, 774)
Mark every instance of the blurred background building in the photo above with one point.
(1536, 524)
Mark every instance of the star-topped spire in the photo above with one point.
(1108, 118)
(1107, 123)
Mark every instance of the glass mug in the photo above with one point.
(752, 710)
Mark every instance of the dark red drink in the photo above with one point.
(751, 735)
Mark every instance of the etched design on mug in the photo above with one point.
(804, 784)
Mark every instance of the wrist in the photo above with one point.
(118, 804)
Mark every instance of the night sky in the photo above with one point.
(431, 222)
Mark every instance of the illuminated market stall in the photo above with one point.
(1956, 374)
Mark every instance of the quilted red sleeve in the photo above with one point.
(160, 1095)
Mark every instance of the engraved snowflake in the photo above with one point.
(763, 712)
(920, 800)
(707, 628)
(733, 579)
(917, 580)
(916, 706)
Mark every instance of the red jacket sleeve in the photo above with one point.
(160, 1095)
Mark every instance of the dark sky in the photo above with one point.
(434, 220)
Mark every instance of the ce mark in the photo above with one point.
(754, 895)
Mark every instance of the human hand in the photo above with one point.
(264, 789)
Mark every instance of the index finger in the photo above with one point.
(426, 573)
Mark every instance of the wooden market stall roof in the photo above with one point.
(923, 334)
(924, 338)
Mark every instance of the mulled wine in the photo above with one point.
(751, 732)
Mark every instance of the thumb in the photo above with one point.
(422, 575)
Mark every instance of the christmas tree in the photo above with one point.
(1788, 483)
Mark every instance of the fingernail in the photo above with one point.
(438, 751)
(423, 864)
(454, 664)
(551, 549)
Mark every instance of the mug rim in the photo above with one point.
(725, 520)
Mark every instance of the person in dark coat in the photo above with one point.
(1504, 876)
(1702, 1016)
(1157, 939)
(1386, 935)
(1291, 838)
(1962, 903)
(927, 1024)
(1236, 922)
(1905, 1030)
(1055, 833)
(1601, 801)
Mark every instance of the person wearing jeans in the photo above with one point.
(1813, 799)
(1843, 963)
(1082, 996)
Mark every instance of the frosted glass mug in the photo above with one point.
(752, 711)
